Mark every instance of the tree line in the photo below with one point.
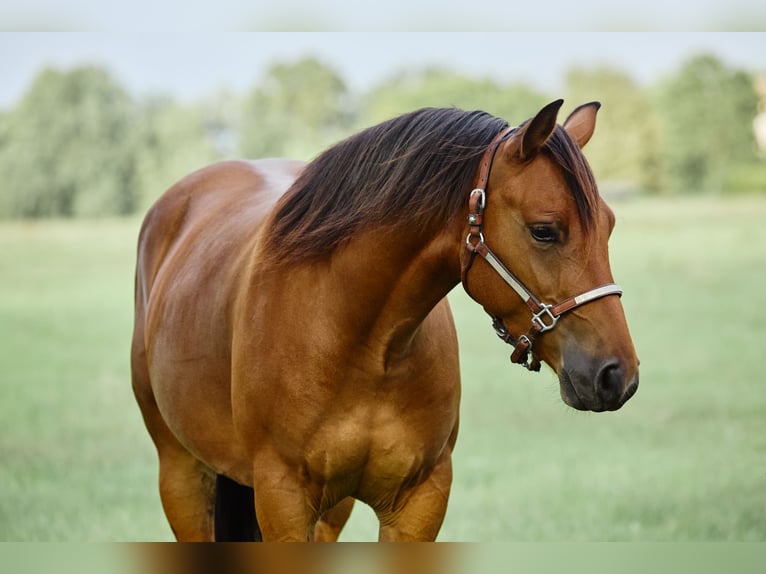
(79, 144)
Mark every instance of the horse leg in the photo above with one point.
(187, 490)
(286, 510)
(187, 486)
(328, 527)
(422, 514)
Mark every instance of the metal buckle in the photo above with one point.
(482, 203)
(537, 318)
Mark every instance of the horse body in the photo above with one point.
(342, 419)
(293, 348)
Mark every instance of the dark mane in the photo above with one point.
(415, 169)
(416, 166)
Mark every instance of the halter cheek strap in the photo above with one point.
(544, 316)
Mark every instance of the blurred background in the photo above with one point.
(95, 126)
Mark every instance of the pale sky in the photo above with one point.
(391, 15)
(192, 65)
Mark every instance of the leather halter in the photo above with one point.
(544, 316)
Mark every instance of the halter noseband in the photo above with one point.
(544, 316)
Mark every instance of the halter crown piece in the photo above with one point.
(544, 316)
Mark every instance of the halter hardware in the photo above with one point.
(544, 316)
(537, 318)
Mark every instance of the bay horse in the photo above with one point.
(293, 347)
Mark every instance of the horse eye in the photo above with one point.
(544, 234)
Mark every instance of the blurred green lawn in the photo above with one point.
(684, 460)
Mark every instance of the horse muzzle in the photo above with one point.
(597, 385)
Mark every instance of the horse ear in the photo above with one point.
(538, 130)
(581, 123)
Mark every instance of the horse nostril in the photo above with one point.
(610, 382)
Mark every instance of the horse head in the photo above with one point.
(541, 231)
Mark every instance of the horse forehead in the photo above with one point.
(537, 185)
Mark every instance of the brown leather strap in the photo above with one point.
(522, 352)
(522, 347)
(486, 160)
(476, 203)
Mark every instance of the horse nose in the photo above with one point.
(612, 388)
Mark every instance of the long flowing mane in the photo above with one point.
(415, 169)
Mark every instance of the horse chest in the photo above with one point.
(374, 449)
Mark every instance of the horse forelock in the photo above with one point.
(577, 173)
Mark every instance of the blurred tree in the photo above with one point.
(706, 112)
(624, 150)
(297, 110)
(68, 147)
(78, 144)
(441, 88)
(176, 139)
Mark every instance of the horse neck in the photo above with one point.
(403, 278)
(375, 291)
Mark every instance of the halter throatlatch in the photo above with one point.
(544, 316)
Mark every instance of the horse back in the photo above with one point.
(225, 201)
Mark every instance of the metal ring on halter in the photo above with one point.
(527, 353)
(470, 235)
(499, 327)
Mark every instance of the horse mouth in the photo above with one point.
(569, 393)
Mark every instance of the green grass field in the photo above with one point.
(684, 460)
